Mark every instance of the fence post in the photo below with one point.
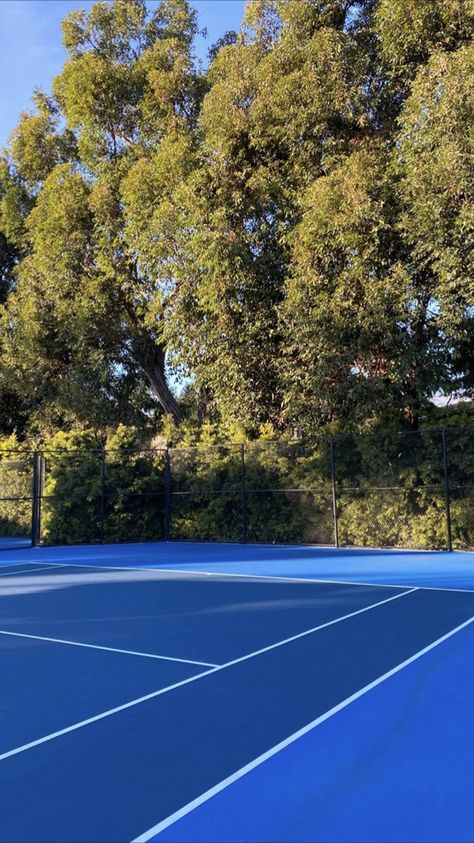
(167, 506)
(102, 495)
(37, 493)
(243, 493)
(334, 495)
(447, 494)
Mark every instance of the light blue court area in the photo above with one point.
(432, 569)
(198, 692)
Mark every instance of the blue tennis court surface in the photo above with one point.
(183, 692)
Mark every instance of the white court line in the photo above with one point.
(15, 564)
(190, 679)
(204, 797)
(107, 649)
(235, 576)
(31, 570)
(238, 576)
(302, 579)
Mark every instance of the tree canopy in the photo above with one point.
(289, 228)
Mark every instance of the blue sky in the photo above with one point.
(31, 51)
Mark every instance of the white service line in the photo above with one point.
(16, 564)
(12, 573)
(107, 649)
(190, 679)
(242, 576)
(313, 580)
(32, 570)
(204, 797)
(276, 578)
(236, 575)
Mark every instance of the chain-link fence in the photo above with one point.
(412, 490)
(100, 496)
(391, 490)
(16, 498)
(460, 459)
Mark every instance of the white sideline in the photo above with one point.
(242, 576)
(204, 797)
(32, 570)
(190, 679)
(107, 649)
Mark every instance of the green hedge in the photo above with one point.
(92, 493)
(389, 490)
(16, 478)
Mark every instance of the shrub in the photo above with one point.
(16, 479)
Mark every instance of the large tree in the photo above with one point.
(78, 320)
(283, 104)
(308, 294)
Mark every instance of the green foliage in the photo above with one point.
(412, 520)
(94, 493)
(205, 493)
(291, 228)
(37, 146)
(389, 492)
(453, 415)
(389, 489)
(16, 477)
(70, 510)
(436, 151)
(134, 489)
(86, 304)
(277, 111)
(412, 30)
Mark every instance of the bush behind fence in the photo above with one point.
(413, 490)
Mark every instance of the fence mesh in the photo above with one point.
(133, 488)
(413, 490)
(16, 495)
(70, 497)
(206, 500)
(289, 493)
(460, 454)
(390, 490)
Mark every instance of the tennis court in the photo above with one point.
(196, 692)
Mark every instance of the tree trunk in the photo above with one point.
(151, 357)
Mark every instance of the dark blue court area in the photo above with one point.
(217, 693)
